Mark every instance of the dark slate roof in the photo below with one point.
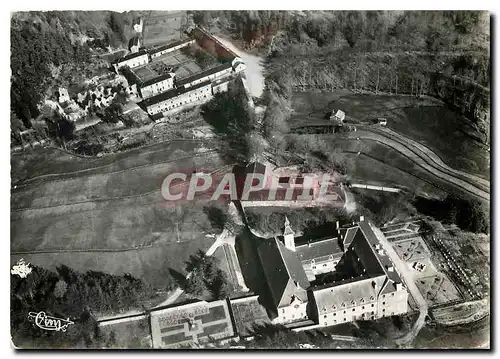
(283, 271)
(168, 46)
(202, 74)
(155, 80)
(131, 56)
(135, 41)
(172, 93)
(383, 259)
(318, 249)
(346, 294)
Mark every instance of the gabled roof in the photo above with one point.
(319, 249)
(349, 293)
(203, 74)
(172, 93)
(130, 56)
(284, 272)
(135, 41)
(155, 80)
(349, 236)
(168, 46)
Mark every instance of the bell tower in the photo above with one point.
(288, 235)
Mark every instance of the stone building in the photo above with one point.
(333, 280)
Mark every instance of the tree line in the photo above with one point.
(66, 293)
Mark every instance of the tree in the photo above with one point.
(60, 289)
(195, 284)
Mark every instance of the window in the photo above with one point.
(373, 305)
(392, 294)
(334, 314)
(353, 309)
(344, 311)
(363, 307)
(383, 303)
(383, 310)
(324, 265)
(345, 320)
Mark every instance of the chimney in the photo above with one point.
(399, 286)
(390, 268)
(361, 218)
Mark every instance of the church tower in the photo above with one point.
(288, 235)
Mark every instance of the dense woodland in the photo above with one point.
(68, 293)
(439, 53)
(41, 42)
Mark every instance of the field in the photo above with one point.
(247, 314)
(380, 165)
(426, 120)
(133, 334)
(108, 214)
(161, 27)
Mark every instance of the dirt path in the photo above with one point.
(424, 162)
(431, 155)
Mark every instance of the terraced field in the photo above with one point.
(108, 214)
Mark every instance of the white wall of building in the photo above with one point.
(203, 94)
(171, 49)
(134, 62)
(157, 88)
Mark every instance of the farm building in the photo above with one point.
(157, 85)
(165, 49)
(132, 60)
(208, 75)
(178, 97)
(382, 121)
(338, 116)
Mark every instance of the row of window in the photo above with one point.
(171, 106)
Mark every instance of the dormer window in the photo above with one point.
(362, 300)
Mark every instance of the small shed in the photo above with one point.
(338, 116)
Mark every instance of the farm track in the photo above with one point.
(424, 161)
(23, 182)
(95, 250)
(108, 199)
(206, 153)
(432, 156)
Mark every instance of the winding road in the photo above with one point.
(426, 159)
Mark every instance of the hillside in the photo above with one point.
(444, 54)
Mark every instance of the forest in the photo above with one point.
(67, 293)
(444, 54)
(42, 41)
